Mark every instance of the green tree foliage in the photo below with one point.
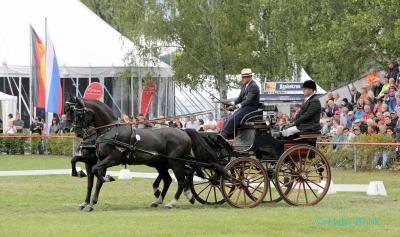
(334, 40)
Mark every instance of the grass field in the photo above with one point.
(47, 206)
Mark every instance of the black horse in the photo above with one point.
(162, 148)
(90, 158)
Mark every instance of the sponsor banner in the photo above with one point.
(283, 88)
(94, 91)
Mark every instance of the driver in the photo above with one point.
(307, 119)
(247, 102)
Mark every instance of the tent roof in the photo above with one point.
(80, 37)
(4, 96)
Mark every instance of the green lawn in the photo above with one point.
(47, 206)
(41, 162)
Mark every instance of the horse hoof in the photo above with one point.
(88, 208)
(81, 174)
(109, 178)
(82, 206)
(153, 205)
(168, 206)
(74, 174)
(192, 200)
(157, 193)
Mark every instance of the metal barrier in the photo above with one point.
(355, 144)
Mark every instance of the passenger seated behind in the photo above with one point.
(307, 119)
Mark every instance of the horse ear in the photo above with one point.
(80, 102)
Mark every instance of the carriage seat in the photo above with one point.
(257, 117)
(306, 135)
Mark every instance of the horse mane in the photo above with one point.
(101, 108)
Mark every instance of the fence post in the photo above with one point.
(355, 157)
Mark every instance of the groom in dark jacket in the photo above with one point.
(247, 102)
(307, 119)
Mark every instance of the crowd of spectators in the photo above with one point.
(372, 109)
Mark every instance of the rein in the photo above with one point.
(148, 121)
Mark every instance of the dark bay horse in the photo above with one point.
(153, 147)
(90, 158)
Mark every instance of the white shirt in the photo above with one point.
(212, 122)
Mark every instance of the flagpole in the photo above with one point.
(31, 78)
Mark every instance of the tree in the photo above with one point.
(335, 41)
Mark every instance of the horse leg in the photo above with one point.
(163, 173)
(74, 160)
(90, 179)
(187, 191)
(112, 159)
(179, 171)
(99, 184)
(156, 184)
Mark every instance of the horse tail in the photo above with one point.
(204, 152)
(200, 147)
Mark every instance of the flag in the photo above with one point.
(53, 83)
(148, 92)
(38, 71)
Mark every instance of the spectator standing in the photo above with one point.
(9, 128)
(193, 124)
(18, 123)
(331, 108)
(55, 127)
(176, 123)
(63, 124)
(201, 125)
(210, 125)
(355, 95)
(339, 137)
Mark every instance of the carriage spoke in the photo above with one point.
(300, 160)
(286, 165)
(256, 187)
(305, 192)
(292, 188)
(238, 196)
(293, 162)
(311, 189)
(201, 183)
(255, 180)
(204, 189)
(209, 191)
(298, 193)
(315, 183)
(285, 184)
(316, 168)
(244, 198)
(215, 194)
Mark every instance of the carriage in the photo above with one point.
(257, 167)
(263, 168)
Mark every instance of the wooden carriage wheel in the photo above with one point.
(247, 185)
(303, 175)
(207, 190)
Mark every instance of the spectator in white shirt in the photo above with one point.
(192, 123)
(210, 125)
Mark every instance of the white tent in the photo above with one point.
(8, 104)
(80, 37)
(87, 49)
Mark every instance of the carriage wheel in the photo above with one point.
(206, 190)
(248, 183)
(303, 175)
(273, 194)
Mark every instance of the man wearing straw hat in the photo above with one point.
(247, 102)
